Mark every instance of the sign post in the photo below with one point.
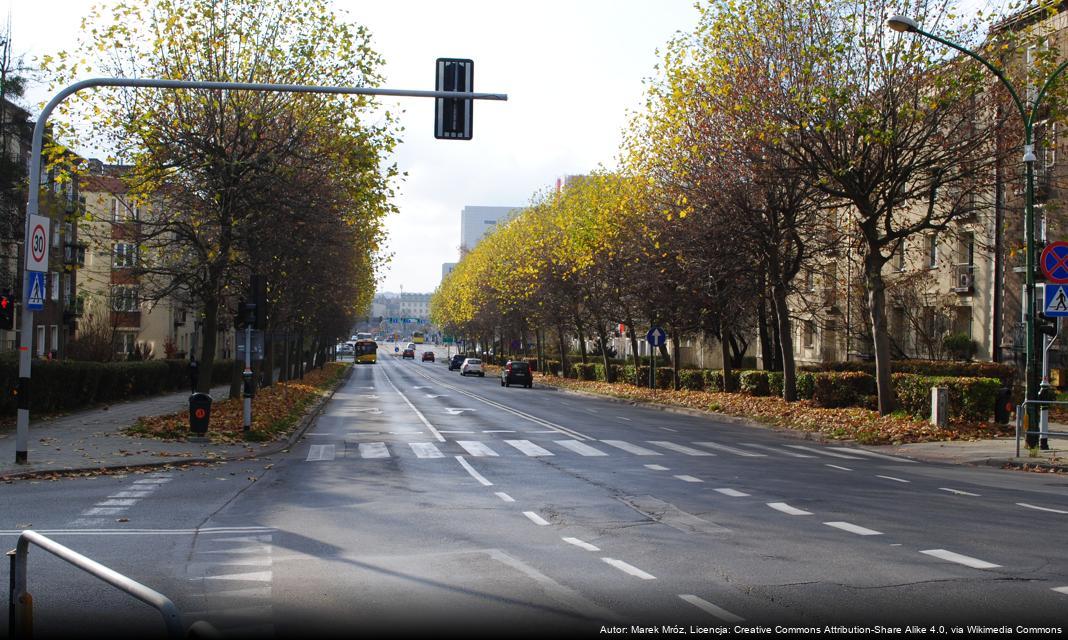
(656, 338)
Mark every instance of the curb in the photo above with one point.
(305, 422)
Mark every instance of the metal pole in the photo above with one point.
(1032, 378)
(247, 375)
(22, 424)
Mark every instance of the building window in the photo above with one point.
(40, 340)
(966, 249)
(809, 335)
(124, 299)
(932, 251)
(124, 342)
(123, 211)
(124, 255)
(54, 346)
(899, 256)
(55, 286)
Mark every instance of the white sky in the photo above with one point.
(571, 69)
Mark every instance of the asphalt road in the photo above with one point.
(422, 501)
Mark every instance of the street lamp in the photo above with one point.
(904, 24)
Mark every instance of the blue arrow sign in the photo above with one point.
(1056, 300)
(35, 290)
(656, 337)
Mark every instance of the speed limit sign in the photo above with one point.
(37, 252)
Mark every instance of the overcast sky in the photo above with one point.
(571, 68)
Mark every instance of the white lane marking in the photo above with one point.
(476, 448)
(580, 448)
(525, 416)
(117, 503)
(872, 454)
(822, 452)
(394, 433)
(656, 467)
(689, 479)
(536, 519)
(622, 418)
(419, 413)
(629, 568)
(787, 509)
(668, 429)
(434, 395)
(152, 481)
(852, 528)
(529, 448)
(959, 492)
(504, 496)
(425, 450)
(474, 474)
(498, 431)
(834, 466)
(967, 561)
(631, 448)
(134, 532)
(457, 411)
(373, 450)
(257, 576)
(1063, 590)
(792, 454)
(690, 451)
(131, 494)
(893, 478)
(734, 493)
(258, 549)
(1031, 506)
(319, 452)
(737, 452)
(455, 432)
(104, 511)
(712, 609)
(580, 544)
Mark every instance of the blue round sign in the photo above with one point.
(1054, 262)
(656, 337)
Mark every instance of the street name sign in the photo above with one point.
(1054, 262)
(1056, 300)
(37, 251)
(35, 290)
(656, 337)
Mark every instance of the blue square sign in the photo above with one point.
(1056, 300)
(35, 290)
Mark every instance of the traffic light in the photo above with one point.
(7, 311)
(246, 315)
(1045, 325)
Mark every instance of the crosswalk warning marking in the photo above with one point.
(425, 450)
(690, 451)
(476, 448)
(373, 450)
(580, 448)
(529, 448)
(631, 448)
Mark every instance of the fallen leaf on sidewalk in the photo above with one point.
(122, 520)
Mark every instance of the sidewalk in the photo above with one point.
(998, 452)
(93, 440)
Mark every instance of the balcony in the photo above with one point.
(74, 254)
(964, 279)
(74, 309)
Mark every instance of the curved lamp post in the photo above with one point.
(904, 24)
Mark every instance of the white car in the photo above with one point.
(473, 366)
(411, 345)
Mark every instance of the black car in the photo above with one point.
(516, 372)
(456, 361)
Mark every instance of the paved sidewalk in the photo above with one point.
(93, 439)
(999, 452)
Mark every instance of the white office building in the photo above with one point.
(476, 222)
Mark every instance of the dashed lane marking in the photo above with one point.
(711, 609)
(1031, 506)
(656, 467)
(834, 466)
(787, 509)
(689, 479)
(893, 478)
(734, 493)
(535, 518)
(504, 496)
(853, 528)
(581, 544)
(629, 568)
(967, 561)
(959, 492)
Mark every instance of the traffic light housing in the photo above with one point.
(7, 311)
(1045, 325)
(246, 315)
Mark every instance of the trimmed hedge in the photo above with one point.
(842, 389)
(775, 383)
(70, 385)
(552, 367)
(714, 379)
(754, 383)
(1006, 373)
(692, 379)
(969, 398)
(582, 371)
(665, 378)
(806, 385)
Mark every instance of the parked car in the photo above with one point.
(408, 353)
(456, 361)
(516, 372)
(428, 355)
(472, 366)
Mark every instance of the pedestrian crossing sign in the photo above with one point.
(35, 290)
(1056, 300)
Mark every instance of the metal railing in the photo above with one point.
(20, 602)
(1021, 411)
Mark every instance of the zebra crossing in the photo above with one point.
(354, 446)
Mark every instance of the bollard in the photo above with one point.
(939, 406)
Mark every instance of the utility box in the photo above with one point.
(939, 406)
(199, 413)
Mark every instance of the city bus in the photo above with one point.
(366, 351)
(417, 337)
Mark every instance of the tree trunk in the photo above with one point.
(789, 368)
(873, 275)
(563, 351)
(634, 349)
(235, 375)
(602, 335)
(776, 341)
(581, 340)
(766, 354)
(541, 350)
(208, 344)
(268, 359)
(675, 360)
(728, 382)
